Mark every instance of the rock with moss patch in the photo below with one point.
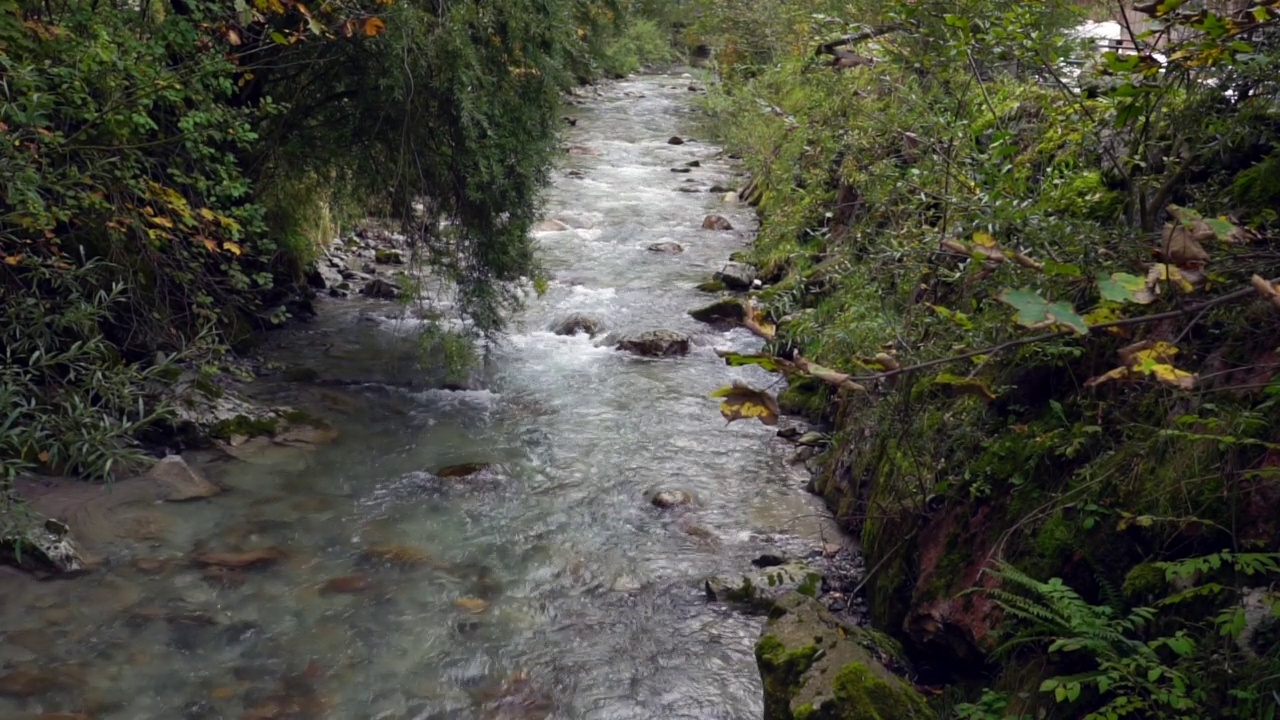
(388, 256)
(656, 343)
(815, 667)
(577, 323)
(761, 589)
(724, 311)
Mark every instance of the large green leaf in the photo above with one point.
(1036, 312)
(733, 359)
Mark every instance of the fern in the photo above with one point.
(1131, 678)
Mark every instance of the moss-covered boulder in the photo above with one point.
(763, 588)
(814, 667)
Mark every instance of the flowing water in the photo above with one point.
(546, 585)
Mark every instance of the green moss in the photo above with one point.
(1057, 538)
(804, 712)
(781, 670)
(1144, 581)
(1258, 188)
(810, 586)
(806, 398)
(860, 694)
(244, 425)
(711, 286)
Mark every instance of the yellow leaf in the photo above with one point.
(742, 401)
(12, 259)
(373, 26)
(163, 222)
(210, 244)
(44, 456)
(233, 37)
(1170, 375)
(206, 213)
(984, 239)
(233, 248)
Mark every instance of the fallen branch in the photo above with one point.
(829, 48)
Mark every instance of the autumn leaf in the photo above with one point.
(209, 243)
(741, 401)
(1267, 289)
(1163, 273)
(12, 260)
(373, 26)
(1151, 359)
(163, 222)
(827, 375)
(233, 37)
(1035, 312)
(44, 456)
(231, 247)
(206, 213)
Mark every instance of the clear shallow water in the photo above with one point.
(544, 587)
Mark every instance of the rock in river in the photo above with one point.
(380, 289)
(671, 498)
(726, 310)
(816, 667)
(577, 323)
(667, 247)
(656, 343)
(179, 481)
(675, 140)
(716, 222)
(736, 276)
(762, 588)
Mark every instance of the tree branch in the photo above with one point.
(1242, 293)
(828, 48)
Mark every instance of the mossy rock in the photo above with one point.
(1144, 583)
(725, 310)
(711, 286)
(814, 667)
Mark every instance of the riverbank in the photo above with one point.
(1044, 349)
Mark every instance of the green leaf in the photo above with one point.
(1221, 228)
(1057, 269)
(1123, 287)
(768, 362)
(278, 38)
(1036, 312)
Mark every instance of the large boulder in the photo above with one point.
(736, 276)
(815, 667)
(761, 589)
(656, 343)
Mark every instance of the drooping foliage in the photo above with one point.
(168, 171)
(1040, 275)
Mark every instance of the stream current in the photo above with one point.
(546, 586)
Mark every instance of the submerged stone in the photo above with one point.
(179, 481)
(667, 247)
(462, 470)
(671, 498)
(240, 560)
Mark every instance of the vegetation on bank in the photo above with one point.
(1038, 304)
(169, 170)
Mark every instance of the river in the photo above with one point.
(547, 586)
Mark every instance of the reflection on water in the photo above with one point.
(353, 581)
